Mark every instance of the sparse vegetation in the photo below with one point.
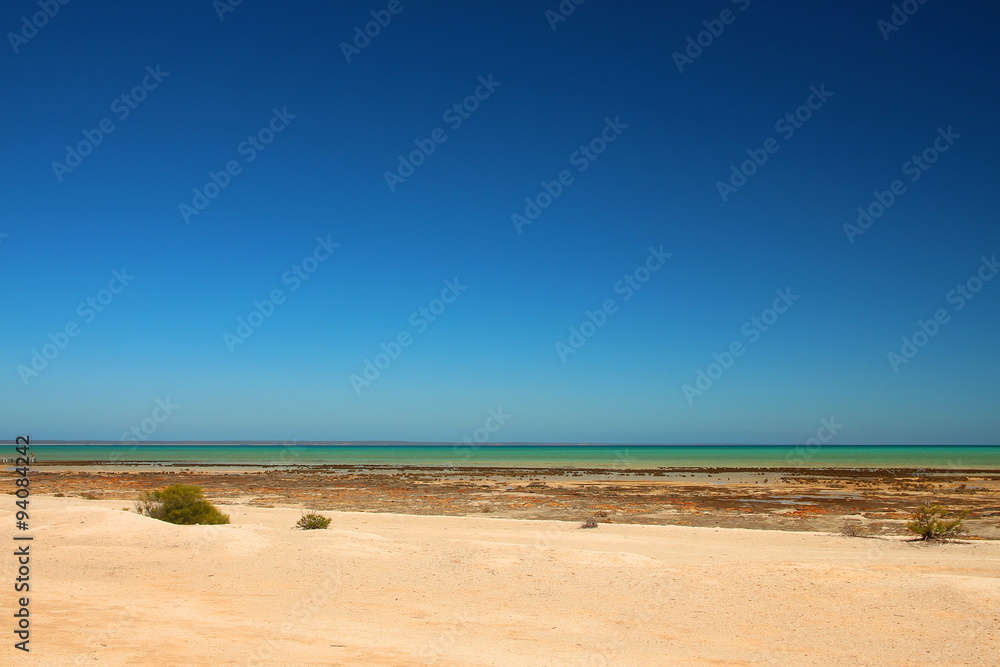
(182, 504)
(590, 523)
(312, 521)
(856, 529)
(934, 522)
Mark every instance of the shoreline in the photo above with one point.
(415, 443)
(551, 472)
(501, 455)
(790, 499)
(605, 469)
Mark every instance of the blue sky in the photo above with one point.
(204, 94)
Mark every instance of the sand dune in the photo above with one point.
(386, 589)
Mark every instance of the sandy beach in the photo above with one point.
(112, 587)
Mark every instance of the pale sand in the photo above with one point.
(114, 588)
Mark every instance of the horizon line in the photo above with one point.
(418, 443)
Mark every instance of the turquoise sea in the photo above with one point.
(589, 456)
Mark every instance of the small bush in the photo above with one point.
(590, 523)
(183, 504)
(312, 521)
(855, 529)
(934, 522)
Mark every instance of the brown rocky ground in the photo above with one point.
(778, 499)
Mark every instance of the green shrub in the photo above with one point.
(934, 522)
(182, 504)
(312, 521)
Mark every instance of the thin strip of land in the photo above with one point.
(799, 499)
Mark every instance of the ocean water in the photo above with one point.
(602, 456)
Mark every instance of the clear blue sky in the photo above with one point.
(609, 67)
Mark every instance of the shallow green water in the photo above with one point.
(610, 456)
